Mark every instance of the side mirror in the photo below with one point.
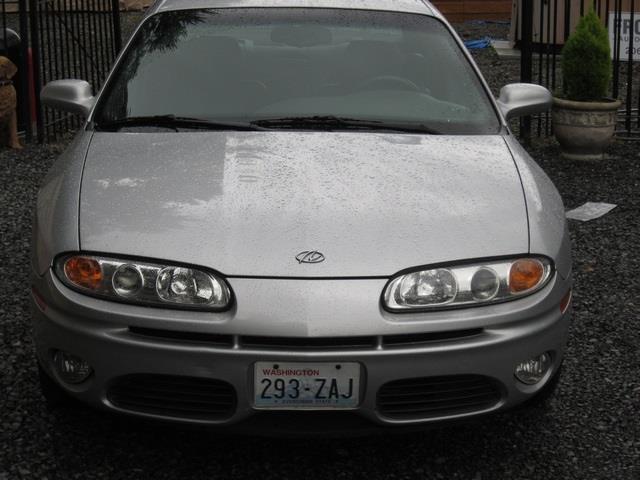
(73, 96)
(522, 99)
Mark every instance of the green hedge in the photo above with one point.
(586, 61)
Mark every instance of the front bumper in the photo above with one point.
(483, 342)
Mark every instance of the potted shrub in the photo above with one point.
(584, 119)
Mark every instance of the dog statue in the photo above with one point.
(9, 103)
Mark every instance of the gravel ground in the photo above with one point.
(589, 429)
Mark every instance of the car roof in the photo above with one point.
(404, 6)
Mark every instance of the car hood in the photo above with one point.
(247, 203)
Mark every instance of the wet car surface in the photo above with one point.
(373, 242)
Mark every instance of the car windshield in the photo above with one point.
(297, 68)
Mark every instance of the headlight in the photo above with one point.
(144, 283)
(467, 285)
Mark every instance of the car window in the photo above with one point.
(243, 65)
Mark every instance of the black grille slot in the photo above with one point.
(300, 343)
(173, 396)
(391, 341)
(308, 343)
(437, 396)
(208, 338)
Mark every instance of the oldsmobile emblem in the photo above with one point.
(310, 257)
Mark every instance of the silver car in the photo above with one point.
(298, 213)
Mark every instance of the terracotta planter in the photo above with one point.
(584, 129)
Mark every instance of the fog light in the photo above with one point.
(71, 369)
(533, 370)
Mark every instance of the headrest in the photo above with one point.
(369, 48)
(302, 35)
(215, 46)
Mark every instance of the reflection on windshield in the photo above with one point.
(249, 65)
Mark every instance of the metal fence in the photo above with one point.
(54, 39)
(544, 27)
(71, 39)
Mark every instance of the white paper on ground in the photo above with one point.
(590, 211)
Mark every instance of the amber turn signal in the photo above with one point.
(525, 275)
(85, 272)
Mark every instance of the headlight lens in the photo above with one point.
(185, 285)
(485, 284)
(144, 283)
(466, 285)
(127, 280)
(431, 287)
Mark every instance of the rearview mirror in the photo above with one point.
(73, 96)
(522, 99)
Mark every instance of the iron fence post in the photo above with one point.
(25, 90)
(117, 27)
(526, 59)
(37, 78)
(629, 98)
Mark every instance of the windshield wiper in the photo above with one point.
(330, 122)
(175, 123)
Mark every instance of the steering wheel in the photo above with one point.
(388, 82)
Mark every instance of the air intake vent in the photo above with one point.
(411, 340)
(210, 339)
(173, 396)
(432, 397)
(308, 343)
(420, 339)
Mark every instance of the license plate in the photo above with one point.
(307, 386)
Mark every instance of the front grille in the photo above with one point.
(173, 396)
(432, 397)
(410, 340)
(419, 339)
(212, 339)
(308, 343)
